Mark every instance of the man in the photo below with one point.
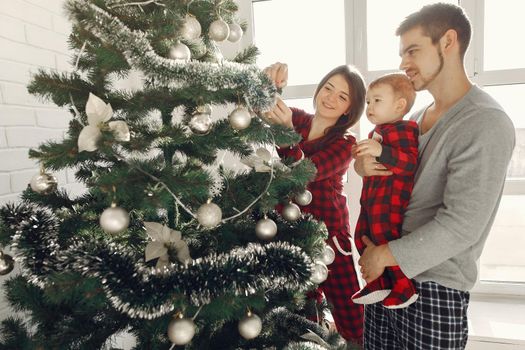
(465, 145)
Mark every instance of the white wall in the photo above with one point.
(33, 34)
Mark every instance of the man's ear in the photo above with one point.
(449, 40)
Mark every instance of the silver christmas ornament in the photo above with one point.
(219, 30)
(120, 130)
(235, 32)
(43, 183)
(181, 331)
(265, 229)
(6, 263)
(209, 215)
(180, 52)
(319, 272)
(304, 198)
(291, 212)
(240, 118)
(250, 326)
(328, 255)
(203, 109)
(191, 29)
(114, 220)
(200, 124)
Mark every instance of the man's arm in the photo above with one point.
(478, 156)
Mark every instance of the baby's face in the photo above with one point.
(382, 105)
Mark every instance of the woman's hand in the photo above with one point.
(278, 73)
(280, 114)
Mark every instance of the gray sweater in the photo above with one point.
(458, 187)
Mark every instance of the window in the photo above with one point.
(382, 19)
(502, 21)
(361, 32)
(501, 263)
(308, 35)
(499, 67)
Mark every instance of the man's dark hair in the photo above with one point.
(436, 19)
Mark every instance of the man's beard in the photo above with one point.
(427, 81)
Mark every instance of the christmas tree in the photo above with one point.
(167, 243)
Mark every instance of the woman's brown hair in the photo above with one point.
(357, 92)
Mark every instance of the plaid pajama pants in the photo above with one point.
(437, 320)
(339, 287)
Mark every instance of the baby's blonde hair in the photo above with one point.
(401, 86)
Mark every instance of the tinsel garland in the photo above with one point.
(146, 292)
(281, 321)
(304, 346)
(247, 80)
(35, 240)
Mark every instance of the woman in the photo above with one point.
(339, 101)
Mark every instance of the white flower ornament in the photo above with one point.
(164, 238)
(262, 161)
(99, 112)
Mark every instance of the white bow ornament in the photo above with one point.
(99, 112)
(311, 336)
(164, 238)
(262, 161)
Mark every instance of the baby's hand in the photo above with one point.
(368, 147)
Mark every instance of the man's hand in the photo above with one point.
(368, 147)
(369, 166)
(374, 260)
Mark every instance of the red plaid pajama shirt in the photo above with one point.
(385, 198)
(329, 205)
